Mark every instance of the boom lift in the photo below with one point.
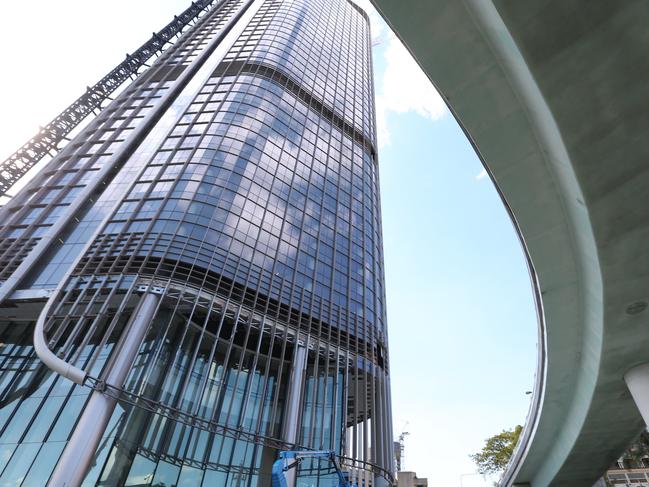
(281, 466)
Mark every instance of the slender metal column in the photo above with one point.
(293, 403)
(80, 450)
(637, 380)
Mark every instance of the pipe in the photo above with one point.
(42, 348)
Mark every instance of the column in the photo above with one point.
(294, 403)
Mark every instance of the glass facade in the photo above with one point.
(236, 181)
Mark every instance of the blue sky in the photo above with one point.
(460, 308)
(460, 311)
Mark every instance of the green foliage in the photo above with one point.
(497, 451)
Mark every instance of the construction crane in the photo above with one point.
(402, 448)
(48, 138)
(284, 464)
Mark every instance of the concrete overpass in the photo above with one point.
(554, 95)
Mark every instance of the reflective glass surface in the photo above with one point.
(241, 188)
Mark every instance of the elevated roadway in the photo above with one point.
(554, 95)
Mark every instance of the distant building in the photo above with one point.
(410, 479)
(630, 469)
(623, 476)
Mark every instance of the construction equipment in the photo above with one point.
(284, 464)
(402, 449)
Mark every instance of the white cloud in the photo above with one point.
(481, 175)
(382, 130)
(406, 88)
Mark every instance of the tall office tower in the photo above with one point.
(195, 283)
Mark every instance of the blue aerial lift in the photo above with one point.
(281, 466)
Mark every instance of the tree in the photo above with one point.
(497, 451)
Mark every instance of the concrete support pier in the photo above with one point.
(637, 380)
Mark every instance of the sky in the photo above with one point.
(460, 309)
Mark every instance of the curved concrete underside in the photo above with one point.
(554, 94)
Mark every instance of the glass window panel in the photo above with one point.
(15, 472)
(166, 475)
(5, 454)
(191, 477)
(19, 421)
(44, 464)
(213, 478)
(44, 419)
(66, 421)
(141, 472)
(5, 412)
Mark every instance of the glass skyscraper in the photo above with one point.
(195, 282)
